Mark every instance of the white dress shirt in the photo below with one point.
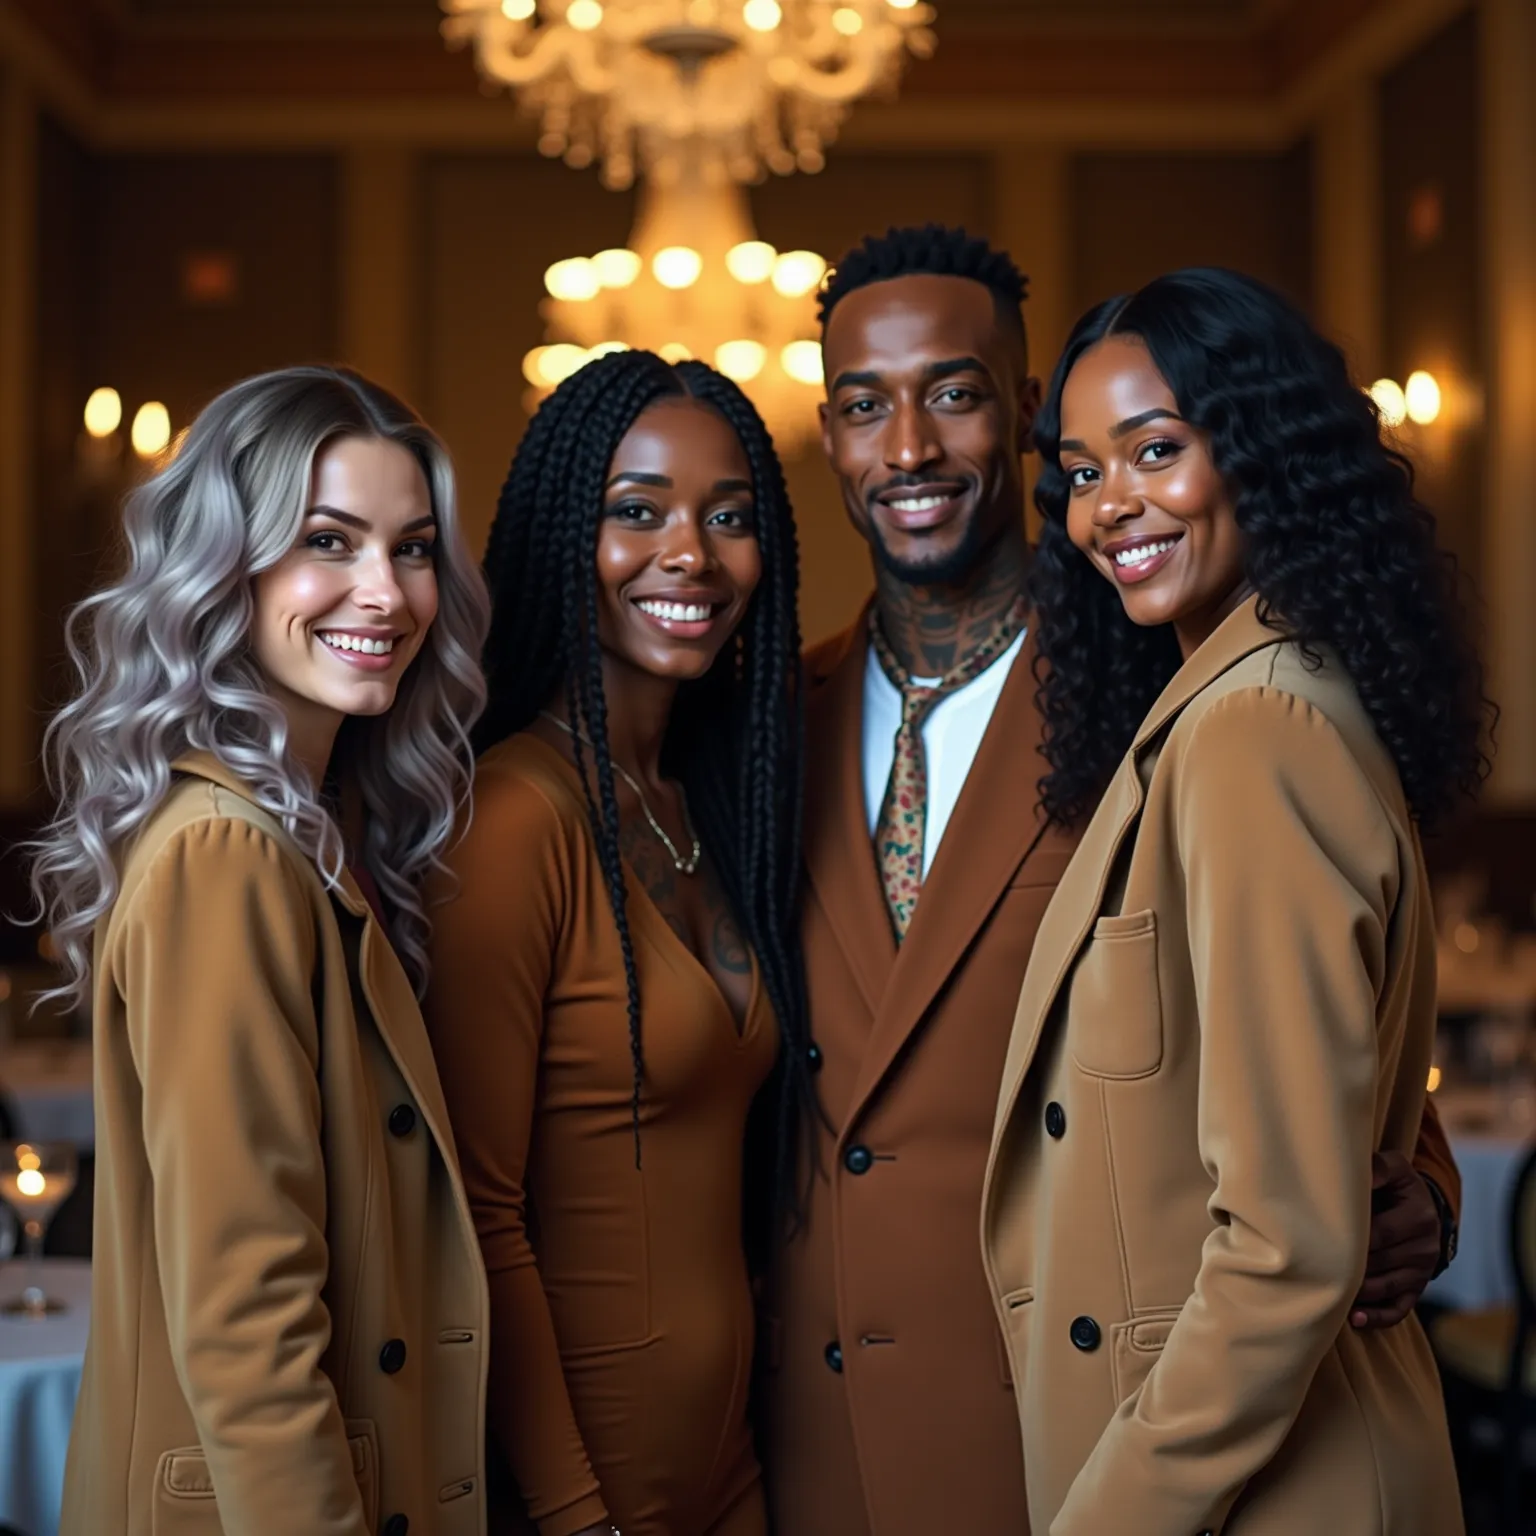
(951, 738)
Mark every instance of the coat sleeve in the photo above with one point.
(1292, 871)
(214, 957)
(494, 940)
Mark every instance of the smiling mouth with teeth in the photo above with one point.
(678, 613)
(917, 503)
(340, 642)
(1143, 552)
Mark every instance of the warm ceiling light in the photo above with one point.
(762, 15)
(603, 348)
(801, 360)
(1421, 397)
(751, 261)
(617, 268)
(151, 429)
(575, 278)
(584, 15)
(103, 412)
(557, 363)
(677, 266)
(901, 5)
(517, 10)
(1390, 403)
(847, 21)
(741, 360)
(675, 352)
(795, 273)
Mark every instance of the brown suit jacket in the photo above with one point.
(288, 1310)
(889, 1407)
(1230, 1007)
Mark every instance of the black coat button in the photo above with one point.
(402, 1120)
(1085, 1334)
(858, 1159)
(813, 1056)
(392, 1356)
(834, 1356)
(396, 1525)
(1055, 1121)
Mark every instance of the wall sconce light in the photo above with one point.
(1418, 401)
(151, 430)
(103, 412)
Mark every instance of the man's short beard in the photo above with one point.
(951, 570)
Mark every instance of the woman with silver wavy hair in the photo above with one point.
(265, 757)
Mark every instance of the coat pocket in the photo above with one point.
(1016, 1310)
(185, 1503)
(1115, 1012)
(1136, 1346)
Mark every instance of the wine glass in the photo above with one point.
(36, 1178)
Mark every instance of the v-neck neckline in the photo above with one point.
(741, 1027)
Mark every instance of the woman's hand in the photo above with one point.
(1405, 1243)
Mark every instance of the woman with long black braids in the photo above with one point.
(1253, 651)
(617, 972)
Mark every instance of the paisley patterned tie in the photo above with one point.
(903, 823)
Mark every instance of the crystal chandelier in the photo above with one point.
(694, 281)
(629, 84)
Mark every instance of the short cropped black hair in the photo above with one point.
(935, 249)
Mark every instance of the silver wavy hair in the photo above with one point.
(165, 665)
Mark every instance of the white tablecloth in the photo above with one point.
(1481, 1276)
(47, 1084)
(39, 1380)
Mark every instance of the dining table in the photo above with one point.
(40, 1364)
(1491, 1131)
(46, 1084)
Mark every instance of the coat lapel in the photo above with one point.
(839, 855)
(1079, 898)
(996, 823)
(396, 1012)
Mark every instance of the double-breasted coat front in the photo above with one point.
(1230, 1006)
(288, 1326)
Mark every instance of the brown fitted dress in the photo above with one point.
(621, 1311)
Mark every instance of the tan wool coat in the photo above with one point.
(1230, 1006)
(288, 1329)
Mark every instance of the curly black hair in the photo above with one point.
(1338, 548)
(735, 739)
(935, 249)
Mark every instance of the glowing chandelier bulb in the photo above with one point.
(675, 352)
(103, 412)
(801, 360)
(901, 5)
(751, 262)
(518, 10)
(617, 268)
(1421, 397)
(741, 360)
(762, 15)
(575, 278)
(795, 273)
(677, 266)
(1390, 403)
(847, 21)
(557, 363)
(584, 15)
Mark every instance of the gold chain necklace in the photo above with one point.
(686, 866)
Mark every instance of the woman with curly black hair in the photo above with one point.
(618, 971)
(1252, 649)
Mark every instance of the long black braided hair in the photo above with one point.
(735, 739)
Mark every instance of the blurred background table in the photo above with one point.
(40, 1363)
(46, 1087)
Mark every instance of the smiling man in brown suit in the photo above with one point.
(889, 1407)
